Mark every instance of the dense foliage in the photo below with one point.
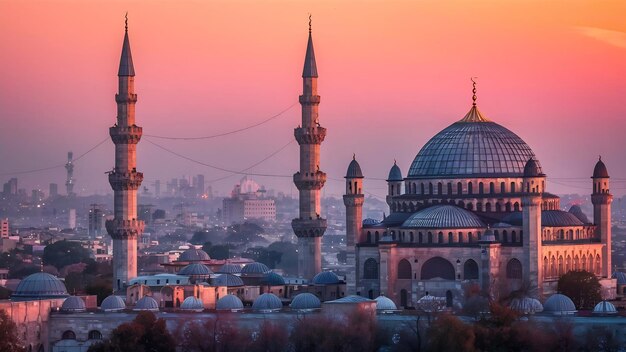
(582, 287)
(145, 333)
(9, 341)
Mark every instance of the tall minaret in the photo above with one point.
(310, 226)
(532, 191)
(601, 199)
(353, 200)
(69, 166)
(124, 178)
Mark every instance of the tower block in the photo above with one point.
(309, 227)
(601, 199)
(124, 229)
(353, 200)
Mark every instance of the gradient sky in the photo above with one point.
(392, 74)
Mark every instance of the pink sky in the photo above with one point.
(392, 74)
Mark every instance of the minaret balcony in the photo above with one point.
(353, 200)
(125, 134)
(125, 181)
(309, 180)
(309, 227)
(126, 98)
(310, 135)
(124, 229)
(309, 99)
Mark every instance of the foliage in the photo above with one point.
(271, 337)
(219, 251)
(448, 333)
(22, 270)
(10, 259)
(5, 293)
(145, 333)
(263, 255)
(582, 287)
(158, 214)
(63, 253)
(288, 256)
(220, 334)
(9, 340)
(101, 287)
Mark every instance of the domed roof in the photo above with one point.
(326, 278)
(600, 171)
(38, 286)
(229, 268)
(273, 279)
(443, 216)
(147, 303)
(192, 303)
(578, 212)
(195, 269)
(558, 218)
(384, 303)
(267, 302)
(473, 146)
(305, 301)
(532, 169)
(193, 255)
(370, 222)
(604, 307)
(559, 304)
(113, 303)
(526, 305)
(354, 169)
(255, 268)
(73, 304)
(620, 276)
(351, 299)
(395, 174)
(488, 236)
(228, 280)
(229, 302)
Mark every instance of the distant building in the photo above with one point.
(247, 201)
(54, 190)
(71, 221)
(4, 228)
(96, 221)
(10, 187)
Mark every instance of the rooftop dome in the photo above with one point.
(604, 307)
(620, 276)
(351, 299)
(228, 280)
(195, 269)
(305, 301)
(193, 255)
(147, 303)
(370, 222)
(600, 171)
(472, 147)
(193, 304)
(578, 212)
(532, 169)
(354, 169)
(559, 304)
(39, 286)
(113, 303)
(273, 279)
(443, 216)
(395, 174)
(326, 278)
(526, 305)
(558, 218)
(229, 302)
(255, 268)
(73, 304)
(230, 268)
(267, 302)
(384, 303)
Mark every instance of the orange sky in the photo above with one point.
(392, 74)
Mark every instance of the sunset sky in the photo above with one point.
(391, 75)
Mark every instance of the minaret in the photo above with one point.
(601, 200)
(532, 189)
(309, 226)
(69, 166)
(394, 183)
(124, 178)
(353, 200)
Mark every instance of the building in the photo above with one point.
(53, 191)
(96, 218)
(10, 187)
(4, 228)
(474, 208)
(247, 202)
(69, 167)
(71, 219)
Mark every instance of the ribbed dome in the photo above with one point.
(558, 218)
(532, 169)
(559, 304)
(326, 278)
(39, 286)
(192, 303)
(195, 269)
(354, 170)
(600, 171)
(351, 299)
(273, 279)
(230, 268)
(229, 302)
(267, 302)
(73, 304)
(305, 301)
(395, 174)
(443, 216)
(604, 307)
(472, 147)
(228, 280)
(578, 213)
(384, 303)
(147, 303)
(620, 276)
(112, 304)
(370, 222)
(193, 255)
(526, 305)
(255, 268)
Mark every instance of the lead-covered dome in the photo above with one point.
(39, 286)
(305, 301)
(445, 217)
(326, 278)
(73, 304)
(196, 270)
(147, 303)
(385, 304)
(192, 303)
(229, 302)
(255, 268)
(267, 302)
(559, 304)
(113, 303)
(193, 255)
(471, 147)
(604, 308)
(395, 174)
(354, 169)
(228, 280)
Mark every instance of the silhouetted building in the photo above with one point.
(247, 201)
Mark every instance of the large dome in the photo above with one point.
(39, 286)
(445, 217)
(473, 146)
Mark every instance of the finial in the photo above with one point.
(353, 156)
(394, 161)
(126, 21)
(473, 91)
(309, 23)
(599, 157)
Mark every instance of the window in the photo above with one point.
(470, 270)
(68, 335)
(404, 269)
(95, 335)
(514, 269)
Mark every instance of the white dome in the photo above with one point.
(147, 303)
(305, 301)
(526, 305)
(604, 307)
(113, 304)
(384, 303)
(192, 303)
(267, 302)
(229, 302)
(559, 304)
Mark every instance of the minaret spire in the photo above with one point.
(473, 91)
(310, 67)
(126, 61)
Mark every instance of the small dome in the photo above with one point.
(73, 304)
(192, 303)
(147, 303)
(195, 269)
(267, 302)
(395, 174)
(229, 302)
(273, 279)
(193, 255)
(532, 169)
(305, 301)
(370, 222)
(351, 299)
(384, 303)
(255, 268)
(488, 236)
(620, 276)
(600, 171)
(604, 307)
(559, 218)
(526, 305)
(559, 304)
(113, 303)
(354, 170)
(230, 268)
(39, 286)
(228, 280)
(326, 278)
(443, 216)
(578, 212)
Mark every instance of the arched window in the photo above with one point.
(492, 187)
(553, 272)
(470, 189)
(470, 270)
(516, 206)
(505, 236)
(502, 187)
(449, 188)
(488, 207)
(440, 237)
(437, 267)
(460, 237)
(430, 237)
(403, 298)
(470, 238)
(481, 188)
(576, 264)
(440, 188)
(94, 335)
(568, 263)
(470, 206)
(430, 188)
(450, 238)
(507, 207)
(412, 238)
(369, 237)
(498, 207)
(561, 269)
(598, 265)
(514, 269)
(376, 236)
(459, 188)
(512, 187)
(421, 188)
(546, 267)
(513, 237)
(370, 269)
(404, 270)
(420, 237)
(68, 335)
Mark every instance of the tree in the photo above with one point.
(9, 341)
(209, 335)
(62, 253)
(288, 256)
(271, 337)
(582, 287)
(448, 333)
(158, 214)
(219, 251)
(101, 287)
(144, 333)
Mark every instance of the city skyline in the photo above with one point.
(225, 66)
